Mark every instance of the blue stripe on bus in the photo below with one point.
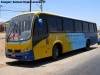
(77, 40)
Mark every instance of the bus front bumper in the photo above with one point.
(26, 56)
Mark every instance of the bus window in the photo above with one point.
(43, 27)
(52, 23)
(59, 24)
(85, 27)
(80, 26)
(71, 25)
(66, 25)
(91, 27)
(95, 28)
(40, 29)
(76, 25)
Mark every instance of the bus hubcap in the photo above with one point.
(56, 52)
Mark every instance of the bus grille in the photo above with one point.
(9, 50)
(17, 51)
(14, 51)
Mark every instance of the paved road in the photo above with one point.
(86, 67)
(78, 62)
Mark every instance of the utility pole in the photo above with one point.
(41, 1)
(30, 5)
(41, 5)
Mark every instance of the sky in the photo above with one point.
(88, 10)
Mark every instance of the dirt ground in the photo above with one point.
(3, 59)
(2, 49)
(2, 44)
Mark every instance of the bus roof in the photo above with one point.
(38, 12)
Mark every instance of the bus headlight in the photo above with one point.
(27, 49)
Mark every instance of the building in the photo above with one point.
(6, 25)
(1, 29)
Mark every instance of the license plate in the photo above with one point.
(13, 55)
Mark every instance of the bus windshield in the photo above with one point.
(19, 28)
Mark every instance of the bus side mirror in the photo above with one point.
(40, 22)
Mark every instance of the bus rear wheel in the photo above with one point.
(87, 46)
(98, 43)
(55, 52)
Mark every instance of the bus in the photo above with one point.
(35, 35)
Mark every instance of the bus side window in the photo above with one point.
(85, 27)
(52, 22)
(71, 25)
(66, 25)
(95, 28)
(59, 24)
(91, 27)
(78, 26)
(43, 27)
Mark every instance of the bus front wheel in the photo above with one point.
(55, 52)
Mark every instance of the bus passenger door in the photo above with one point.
(43, 34)
(40, 47)
(36, 40)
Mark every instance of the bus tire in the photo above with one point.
(98, 43)
(55, 52)
(87, 45)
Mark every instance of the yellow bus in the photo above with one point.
(35, 35)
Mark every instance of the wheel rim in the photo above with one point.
(56, 52)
